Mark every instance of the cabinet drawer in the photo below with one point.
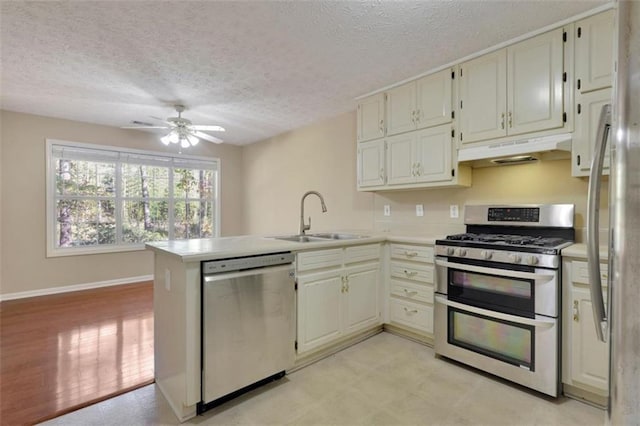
(319, 259)
(408, 271)
(413, 253)
(418, 292)
(580, 272)
(363, 253)
(412, 314)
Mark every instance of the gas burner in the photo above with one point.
(508, 239)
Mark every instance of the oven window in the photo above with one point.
(503, 340)
(515, 296)
(492, 284)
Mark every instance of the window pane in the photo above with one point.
(193, 219)
(185, 183)
(74, 177)
(145, 181)
(145, 221)
(85, 222)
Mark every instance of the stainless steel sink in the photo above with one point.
(338, 236)
(318, 237)
(300, 238)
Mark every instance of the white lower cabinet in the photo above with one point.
(586, 359)
(411, 287)
(337, 294)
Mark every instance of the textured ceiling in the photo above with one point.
(257, 68)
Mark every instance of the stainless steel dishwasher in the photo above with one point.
(248, 324)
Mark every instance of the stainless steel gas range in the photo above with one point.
(498, 292)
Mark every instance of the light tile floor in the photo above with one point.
(385, 380)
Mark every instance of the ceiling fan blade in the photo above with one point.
(145, 127)
(163, 120)
(207, 137)
(208, 128)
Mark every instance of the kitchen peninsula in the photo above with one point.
(177, 303)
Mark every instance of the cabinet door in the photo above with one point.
(361, 301)
(433, 99)
(371, 163)
(401, 106)
(433, 154)
(319, 309)
(483, 97)
(534, 84)
(589, 356)
(594, 52)
(371, 118)
(401, 159)
(589, 106)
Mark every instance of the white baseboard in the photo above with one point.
(76, 287)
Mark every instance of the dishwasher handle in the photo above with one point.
(211, 278)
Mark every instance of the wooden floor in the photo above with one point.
(65, 351)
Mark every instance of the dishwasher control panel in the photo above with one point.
(248, 262)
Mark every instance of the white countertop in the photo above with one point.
(197, 250)
(217, 248)
(579, 251)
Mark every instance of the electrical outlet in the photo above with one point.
(387, 210)
(453, 211)
(419, 210)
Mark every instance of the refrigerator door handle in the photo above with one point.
(593, 223)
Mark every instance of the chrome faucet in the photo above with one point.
(304, 227)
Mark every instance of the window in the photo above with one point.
(102, 199)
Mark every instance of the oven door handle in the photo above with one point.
(542, 278)
(537, 322)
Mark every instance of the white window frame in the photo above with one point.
(51, 211)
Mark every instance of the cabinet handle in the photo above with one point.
(410, 293)
(346, 285)
(419, 169)
(382, 173)
(410, 253)
(510, 120)
(576, 311)
(410, 311)
(342, 288)
(381, 126)
(502, 122)
(413, 117)
(410, 273)
(417, 116)
(413, 169)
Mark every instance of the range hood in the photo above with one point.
(516, 151)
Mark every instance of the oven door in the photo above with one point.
(523, 350)
(512, 289)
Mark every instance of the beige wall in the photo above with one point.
(22, 186)
(321, 157)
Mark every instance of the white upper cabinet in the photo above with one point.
(420, 104)
(483, 97)
(370, 119)
(594, 52)
(514, 90)
(593, 81)
(422, 156)
(588, 108)
(370, 167)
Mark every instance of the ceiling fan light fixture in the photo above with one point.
(166, 139)
(193, 140)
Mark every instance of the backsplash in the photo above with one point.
(537, 183)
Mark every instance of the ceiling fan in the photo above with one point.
(181, 130)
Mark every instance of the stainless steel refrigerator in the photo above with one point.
(619, 322)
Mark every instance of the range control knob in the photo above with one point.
(461, 252)
(514, 258)
(532, 260)
(486, 254)
(450, 251)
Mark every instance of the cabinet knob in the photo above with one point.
(410, 273)
(410, 311)
(409, 292)
(510, 120)
(576, 311)
(502, 122)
